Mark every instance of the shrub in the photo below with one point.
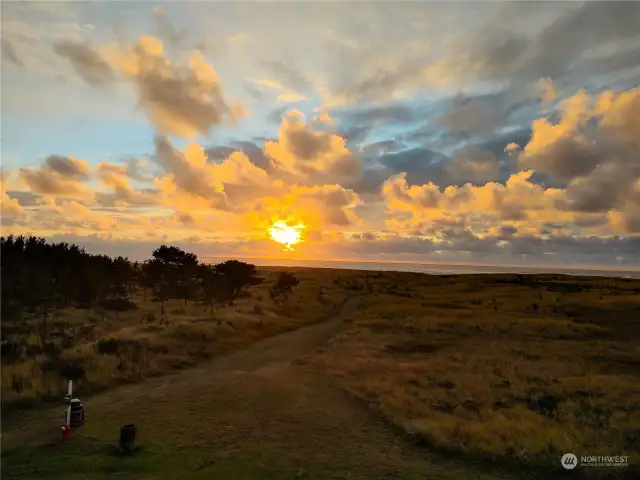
(107, 346)
(118, 305)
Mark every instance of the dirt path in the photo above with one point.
(256, 403)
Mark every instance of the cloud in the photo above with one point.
(68, 166)
(58, 176)
(285, 94)
(415, 208)
(511, 147)
(188, 172)
(115, 176)
(493, 53)
(10, 205)
(182, 101)
(546, 90)
(168, 32)
(473, 165)
(86, 62)
(288, 76)
(593, 147)
(313, 157)
(9, 53)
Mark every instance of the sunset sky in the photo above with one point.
(491, 133)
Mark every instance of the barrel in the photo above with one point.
(127, 436)
(77, 413)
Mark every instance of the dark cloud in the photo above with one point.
(495, 53)
(306, 144)
(379, 115)
(9, 53)
(496, 143)
(382, 82)
(597, 161)
(514, 249)
(254, 153)
(25, 199)
(371, 180)
(382, 147)
(631, 219)
(185, 175)
(87, 63)
(178, 100)
(67, 166)
(473, 165)
(219, 153)
(144, 197)
(605, 188)
(476, 114)
(565, 159)
(135, 170)
(355, 135)
(47, 182)
(420, 164)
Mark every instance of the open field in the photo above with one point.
(478, 376)
(106, 348)
(499, 366)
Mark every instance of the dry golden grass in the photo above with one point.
(493, 366)
(150, 344)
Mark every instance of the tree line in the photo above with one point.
(39, 277)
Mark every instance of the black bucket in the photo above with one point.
(127, 436)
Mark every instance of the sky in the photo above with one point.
(468, 132)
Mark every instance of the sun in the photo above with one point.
(288, 235)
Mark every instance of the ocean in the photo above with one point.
(440, 269)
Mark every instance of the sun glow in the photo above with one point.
(288, 235)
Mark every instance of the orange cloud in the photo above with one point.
(58, 176)
(312, 157)
(179, 100)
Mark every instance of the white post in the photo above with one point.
(70, 395)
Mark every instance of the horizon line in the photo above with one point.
(423, 263)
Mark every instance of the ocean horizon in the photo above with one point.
(437, 268)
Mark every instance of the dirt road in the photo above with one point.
(257, 403)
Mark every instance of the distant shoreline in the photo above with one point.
(439, 269)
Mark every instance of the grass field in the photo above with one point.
(143, 343)
(499, 366)
(475, 376)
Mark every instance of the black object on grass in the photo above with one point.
(127, 436)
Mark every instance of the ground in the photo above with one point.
(418, 377)
(259, 413)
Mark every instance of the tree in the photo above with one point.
(237, 276)
(178, 272)
(215, 289)
(283, 287)
(160, 283)
(145, 278)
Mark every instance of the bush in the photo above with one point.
(107, 346)
(118, 305)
